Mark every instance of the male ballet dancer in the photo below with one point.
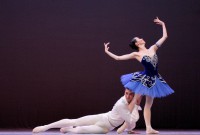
(100, 123)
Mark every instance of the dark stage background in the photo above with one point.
(53, 65)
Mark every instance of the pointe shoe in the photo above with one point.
(39, 129)
(152, 131)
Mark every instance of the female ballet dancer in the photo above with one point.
(148, 82)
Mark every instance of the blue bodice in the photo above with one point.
(150, 73)
(150, 65)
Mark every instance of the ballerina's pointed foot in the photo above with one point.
(39, 129)
(152, 131)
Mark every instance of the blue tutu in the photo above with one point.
(147, 82)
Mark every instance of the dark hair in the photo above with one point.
(132, 44)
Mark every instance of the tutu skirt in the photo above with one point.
(135, 82)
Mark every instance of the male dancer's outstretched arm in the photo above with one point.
(133, 111)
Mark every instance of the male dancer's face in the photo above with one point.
(128, 95)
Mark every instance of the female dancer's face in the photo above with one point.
(129, 95)
(139, 41)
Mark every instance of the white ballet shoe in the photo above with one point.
(39, 129)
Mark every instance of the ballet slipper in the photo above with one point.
(39, 129)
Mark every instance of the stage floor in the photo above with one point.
(140, 132)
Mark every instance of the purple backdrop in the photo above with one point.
(53, 64)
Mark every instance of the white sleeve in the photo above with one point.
(129, 117)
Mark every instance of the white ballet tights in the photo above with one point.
(84, 124)
(91, 129)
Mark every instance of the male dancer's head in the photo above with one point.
(128, 95)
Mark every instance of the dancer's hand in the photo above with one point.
(122, 128)
(106, 46)
(158, 21)
(133, 132)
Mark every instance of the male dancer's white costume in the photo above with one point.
(100, 123)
